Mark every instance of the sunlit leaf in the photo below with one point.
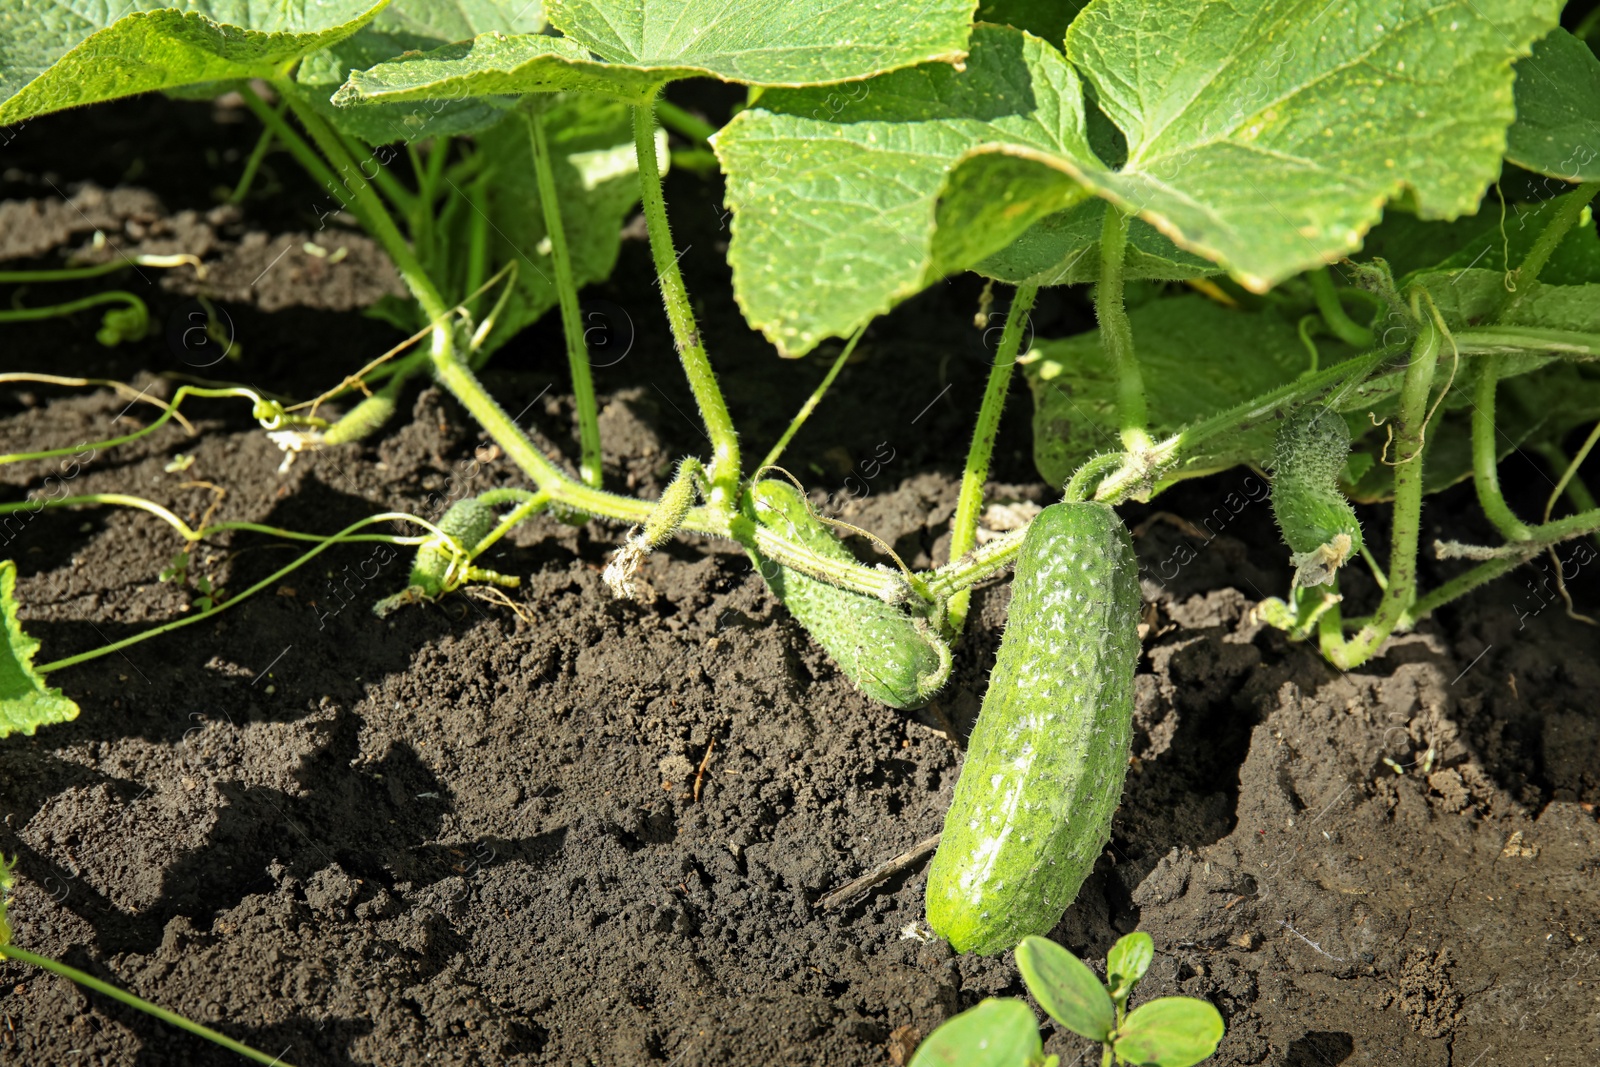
(996, 1033)
(1066, 988)
(56, 55)
(26, 702)
(629, 48)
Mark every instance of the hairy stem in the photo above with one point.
(812, 401)
(964, 527)
(1568, 207)
(1116, 334)
(1343, 326)
(1569, 482)
(1486, 455)
(680, 314)
(89, 981)
(252, 165)
(589, 462)
(1407, 449)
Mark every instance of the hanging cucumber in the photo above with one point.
(1314, 515)
(890, 656)
(1045, 764)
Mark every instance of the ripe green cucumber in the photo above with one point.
(1316, 518)
(1045, 764)
(891, 657)
(468, 521)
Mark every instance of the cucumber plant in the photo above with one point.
(1168, 1031)
(882, 151)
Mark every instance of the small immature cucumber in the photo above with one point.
(1045, 764)
(1316, 518)
(468, 521)
(890, 656)
(366, 417)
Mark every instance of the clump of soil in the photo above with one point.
(575, 830)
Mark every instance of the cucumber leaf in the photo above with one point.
(1557, 131)
(1258, 136)
(1170, 1032)
(407, 26)
(1198, 358)
(630, 48)
(26, 703)
(1127, 963)
(843, 200)
(996, 1033)
(55, 56)
(1064, 249)
(7, 880)
(1066, 988)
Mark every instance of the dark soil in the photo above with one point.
(582, 831)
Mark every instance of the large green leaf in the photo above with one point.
(1267, 134)
(58, 55)
(1264, 135)
(996, 1033)
(407, 26)
(26, 703)
(1198, 359)
(629, 48)
(843, 200)
(1557, 131)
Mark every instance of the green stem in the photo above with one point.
(690, 127)
(811, 403)
(252, 164)
(589, 462)
(338, 538)
(1406, 518)
(1343, 326)
(167, 413)
(1116, 333)
(1568, 207)
(724, 465)
(969, 504)
(1516, 340)
(1570, 483)
(1459, 586)
(1486, 455)
(89, 981)
(363, 203)
(54, 311)
(66, 274)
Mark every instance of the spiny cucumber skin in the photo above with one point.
(1046, 761)
(468, 521)
(1311, 449)
(362, 420)
(879, 647)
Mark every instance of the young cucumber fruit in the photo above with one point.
(1045, 764)
(890, 656)
(468, 521)
(1316, 518)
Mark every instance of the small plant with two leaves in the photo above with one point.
(1436, 157)
(1165, 1032)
